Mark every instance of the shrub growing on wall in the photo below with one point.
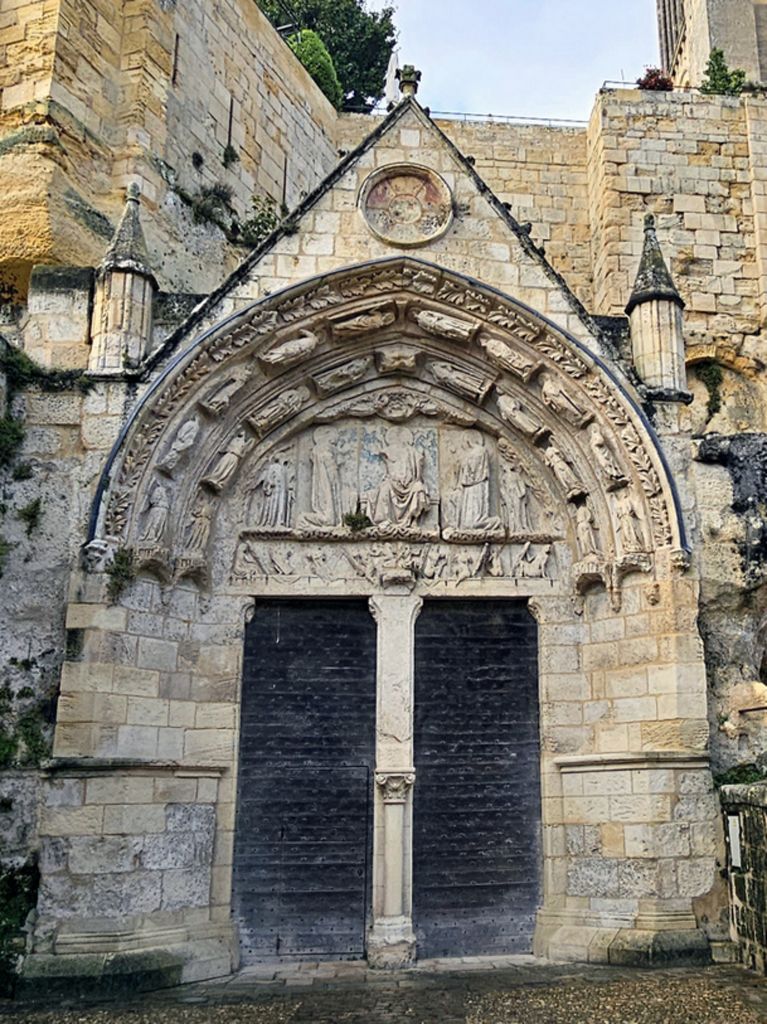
(314, 56)
(719, 80)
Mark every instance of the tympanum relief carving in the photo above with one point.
(441, 435)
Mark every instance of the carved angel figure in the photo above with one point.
(629, 523)
(157, 509)
(182, 442)
(288, 403)
(401, 497)
(561, 401)
(462, 380)
(199, 527)
(218, 399)
(562, 469)
(515, 414)
(274, 490)
(228, 463)
(503, 355)
(587, 530)
(292, 350)
(444, 326)
(605, 458)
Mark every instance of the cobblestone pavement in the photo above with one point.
(509, 991)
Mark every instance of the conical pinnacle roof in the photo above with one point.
(653, 280)
(127, 250)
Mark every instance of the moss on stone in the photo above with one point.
(121, 572)
(710, 375)
(18, 896)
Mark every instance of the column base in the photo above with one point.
(582, 937)
(391, 943)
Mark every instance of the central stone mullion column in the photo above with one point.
(391, 942)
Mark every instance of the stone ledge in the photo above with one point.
(77, 766)
(630, 761)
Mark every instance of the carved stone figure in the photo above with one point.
(401, 497)
(397, 359)
(288, 404)
(629, 523)
(532, 562)
(274, 491)
(363, 323)
(606, 460)
(506, 358)
(474, 485)
(562, 402)
(444, 326)
(199, 526)
(562, 470)
(228, 463)
(515, 497)
(515, 414)
(157, 511)
(341, 376)
(587, 530)
(219, 398)
(291, 351)
(185, 437)
(97, 555)
(327, 489)
(463, 380)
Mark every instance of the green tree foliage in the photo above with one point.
(314, 56)
(719, 80)
(359, 41)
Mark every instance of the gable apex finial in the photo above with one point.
(409, 78)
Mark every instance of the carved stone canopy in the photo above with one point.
(391, 420)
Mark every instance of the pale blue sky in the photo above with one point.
(530, 58)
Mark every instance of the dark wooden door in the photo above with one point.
(303, 833)
(477, 806)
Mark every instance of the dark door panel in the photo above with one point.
(303, 835)
(476, 856)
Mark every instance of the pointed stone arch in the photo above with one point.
(398, 341)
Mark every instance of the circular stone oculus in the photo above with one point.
(406, 205)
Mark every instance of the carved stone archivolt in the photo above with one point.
(397, 424)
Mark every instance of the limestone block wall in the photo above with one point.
(97, 94)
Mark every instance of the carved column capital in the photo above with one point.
(395, 786)
(379, 604)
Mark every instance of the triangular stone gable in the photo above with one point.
(328, 232)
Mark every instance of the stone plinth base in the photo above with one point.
(562, 937)
(47, 976)
(391, 944)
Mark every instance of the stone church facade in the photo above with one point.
(395, 584)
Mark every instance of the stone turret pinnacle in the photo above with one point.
(655, 314)
(127, 251)
(121, 328)
(653, 280)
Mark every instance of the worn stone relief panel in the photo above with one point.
(392, 424)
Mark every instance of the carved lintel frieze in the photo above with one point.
(395, 787)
